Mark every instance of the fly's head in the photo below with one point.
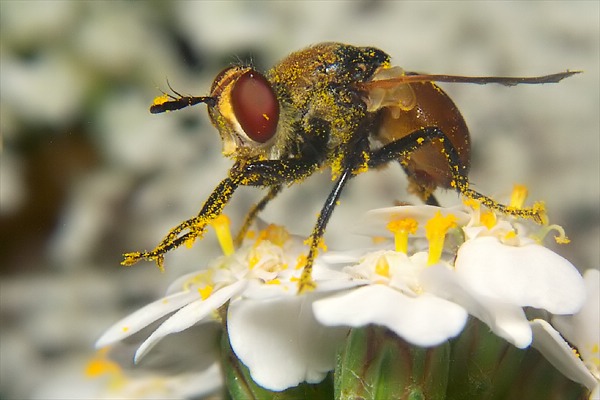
(245, 111)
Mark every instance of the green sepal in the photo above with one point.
(377, 364)
(485, 366)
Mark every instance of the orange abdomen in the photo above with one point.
(428, 165)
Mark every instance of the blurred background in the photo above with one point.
(87, 173)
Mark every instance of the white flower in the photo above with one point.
(425, 298)
(582, 330)
(393, 293)
(270, 327)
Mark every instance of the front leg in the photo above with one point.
(271, 173)
(306, 282)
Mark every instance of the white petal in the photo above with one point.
(280, 341)
(189, 315)
(530, 275)
(425, 320)
(145, 316)
(583, 329)
(506, 320)
(558, 352)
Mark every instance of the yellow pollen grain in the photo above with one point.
(382, 267)
(190, 242)
(321, 245)
(301, 262)
(401, 228)
(125, 328)
(273, 282)
(420, 140)
(160, 100)
(205, 292)
(221, 226)
(265, 116)
(518, 196)
(435, 231)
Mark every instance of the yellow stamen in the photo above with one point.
(382, 267)
(100, 365)
(488, 219)
(401, 228)
(253, 259)
(205, 292)
(518, 196)
(510, 235)
(435, 231)
(221, 225)
(561, 238)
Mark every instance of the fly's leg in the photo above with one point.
(306, 282)
(267, 173)
(403, 148)
(212, 208)
(251, 216)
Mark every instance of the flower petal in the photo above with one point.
(558, 352)
(145, 316)
(583, 328)
(504, 319)
(425, 320)
(189, 315)
(530, 275)
(280, 341)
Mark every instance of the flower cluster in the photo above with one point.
(429, 269)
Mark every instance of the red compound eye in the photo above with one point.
(255, 106)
